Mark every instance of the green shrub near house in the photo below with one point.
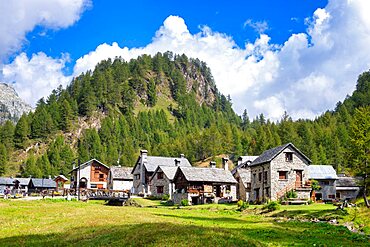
(184, 202)
(272, 206)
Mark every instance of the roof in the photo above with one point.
(270, 154)
(169, 171)
(10, 181)
(87, 163)
(348, 182)
(121, 172)
(197, 174)
(62, 177)
(154, 161)
(43, 182)
(6, 181)
(244, 161)
(321, 172)
(245, 176)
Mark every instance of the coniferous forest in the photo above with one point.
(169, 104)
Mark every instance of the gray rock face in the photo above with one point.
(11, 105)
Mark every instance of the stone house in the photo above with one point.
(326, 176)
(120, 178)
(348, 188)
(277, 171)
(145, 167)
(92, 174)
(161, 182)
(204, 185)
(242, 174)
(16, 185)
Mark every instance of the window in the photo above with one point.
(93, 186)
(249, 185)
(160, 175)
(283, 175)
(288, 157)
(101, 177)
(267, 192)
(159, 189)
(265, 176)
(260, 176)
(331, 196)
(254, 177)
(137, 176)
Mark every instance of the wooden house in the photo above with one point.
(61, 181)
(92, 174)
(145, 167)
(120, 178)
(277, 171)
(204, 185)
(37, 185)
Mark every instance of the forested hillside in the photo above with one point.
(167, 104)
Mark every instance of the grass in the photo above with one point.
(61, 223)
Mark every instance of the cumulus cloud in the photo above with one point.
(258, 26)
(305, 76)
(35, 77)
(19, 17)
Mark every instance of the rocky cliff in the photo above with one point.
(11, 105)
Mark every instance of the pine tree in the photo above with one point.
(3, 159)
(21, 132)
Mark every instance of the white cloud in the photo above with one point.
(258, 26)
(305, 76)
(21, 16)
(36, 77)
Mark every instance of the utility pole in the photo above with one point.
(79, 174)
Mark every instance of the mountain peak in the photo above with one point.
(11, 105)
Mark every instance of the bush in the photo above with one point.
(291, 194)
(165, 197)
(242, 205)
(272, 206)
(169, 203)
(184, 202)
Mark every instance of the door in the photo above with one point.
(298, 179)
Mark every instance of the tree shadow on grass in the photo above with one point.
(182, 234)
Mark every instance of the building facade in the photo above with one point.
(120, 178)
(92, 174)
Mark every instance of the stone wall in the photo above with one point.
(327, 190)
(348, 194)
(299, 163)
(260, 185)
(165, 182)
(178, 197)
(137, 186)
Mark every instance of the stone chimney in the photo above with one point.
(143, 160)
(74, 166)
(212, 164)
(182, 156)
(177, 162)
(240, 160)
(225, 164)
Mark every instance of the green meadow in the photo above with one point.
(62, 223)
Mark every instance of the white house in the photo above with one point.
(120, 178)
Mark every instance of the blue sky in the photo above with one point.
(270, 56)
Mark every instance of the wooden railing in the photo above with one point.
(289, 187)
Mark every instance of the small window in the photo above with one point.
(159, 189)
(267, 192)
(265, 176)
(249, 185)
(93, 186)
(283, 175)
(331, 196)
(101, 175)
(137, 176)
(160, 175)
(288, 157)
(254, 177)
(260, 176)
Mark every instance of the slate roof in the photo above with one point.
(121, 172)
(348, 182)
(197, 174)
(169, 171)
(244, 161)
(154, 161)
(245, 176)
(6, 181)
(321, 172)
(9, 181)
(87, 163)
(43, 183)
(270, 154)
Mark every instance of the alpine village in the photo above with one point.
(149, 152)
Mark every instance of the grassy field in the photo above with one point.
(61, 223)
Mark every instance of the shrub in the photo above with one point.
(184, 202)
(165, 197)
(272, 206)
(169, 203)
(291, 194)
(242, 205)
